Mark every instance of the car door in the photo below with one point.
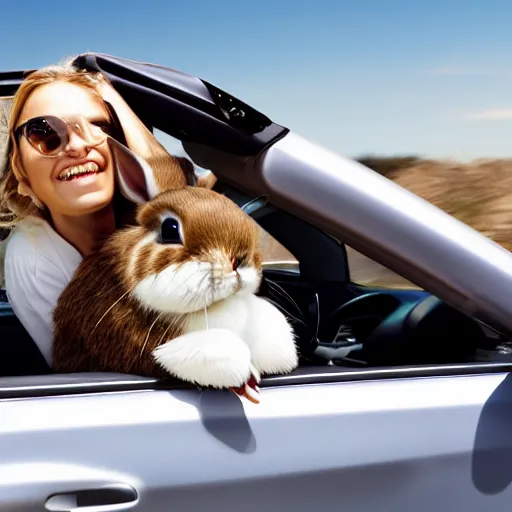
(372, 440)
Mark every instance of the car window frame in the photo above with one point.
(45, 386)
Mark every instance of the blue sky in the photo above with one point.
(432, 78)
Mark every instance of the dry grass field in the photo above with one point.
(478, 193)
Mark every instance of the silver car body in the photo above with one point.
(328, 437)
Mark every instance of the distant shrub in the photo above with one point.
(388, 166)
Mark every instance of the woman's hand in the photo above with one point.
(206, 180)
(139, 139)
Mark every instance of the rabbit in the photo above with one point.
(175, 293)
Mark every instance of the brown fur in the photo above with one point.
(116, 343)
(173, 172)
(88, 336)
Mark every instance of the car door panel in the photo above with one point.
(387, 445)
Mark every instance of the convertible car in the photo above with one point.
(403, 398)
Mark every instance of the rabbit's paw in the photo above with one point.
(250, 389)
(212, 358)
(270, 338)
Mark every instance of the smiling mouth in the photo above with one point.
(79, 171)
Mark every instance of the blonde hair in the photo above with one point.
(13, 205)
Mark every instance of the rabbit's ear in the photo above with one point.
(203, 180)
(134, 175)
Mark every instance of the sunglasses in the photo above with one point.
(51, 134)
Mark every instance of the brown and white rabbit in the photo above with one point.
(174, 294)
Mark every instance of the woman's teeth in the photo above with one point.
(78, 170)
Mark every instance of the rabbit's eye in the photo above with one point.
(170, 232)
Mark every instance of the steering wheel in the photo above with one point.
(405, 331)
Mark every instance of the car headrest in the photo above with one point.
(5, 108)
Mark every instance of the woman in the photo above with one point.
(59, 187)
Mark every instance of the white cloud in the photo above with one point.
(493, 114)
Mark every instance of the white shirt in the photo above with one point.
(38, 265)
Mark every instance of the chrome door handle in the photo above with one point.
(111, 498)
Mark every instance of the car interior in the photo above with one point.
(337, 323)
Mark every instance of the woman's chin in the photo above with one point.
(85, 195)
(89, 202)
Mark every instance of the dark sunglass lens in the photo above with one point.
(44, 134)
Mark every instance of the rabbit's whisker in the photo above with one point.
(283, 309)
(165, 332)
(113, 305)
(206, 316)
(149, 332)
(191, 298)
(283, 293)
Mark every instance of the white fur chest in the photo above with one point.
(223, 347)
(233, 313)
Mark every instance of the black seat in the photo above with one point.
(19, 354)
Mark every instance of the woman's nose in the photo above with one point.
(77, 145)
